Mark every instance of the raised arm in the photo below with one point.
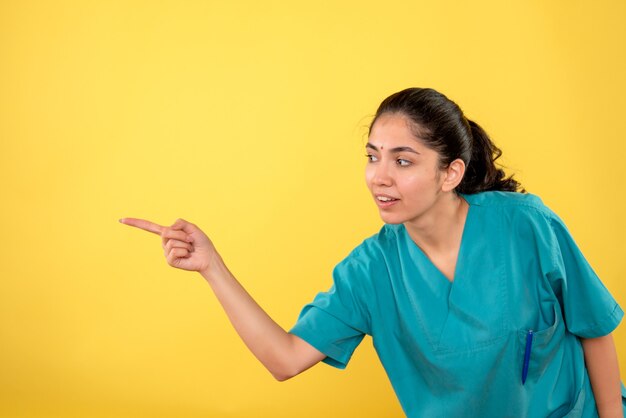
(187, 247)
(601, 362)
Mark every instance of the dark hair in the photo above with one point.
(440, 124)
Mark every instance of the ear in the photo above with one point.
(453, 175)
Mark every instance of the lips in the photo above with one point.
(383, 197)
(384, 201)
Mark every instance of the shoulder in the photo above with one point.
(505, 199)
(377, 245)
(511, 203)
(370, 258)
(521, 215)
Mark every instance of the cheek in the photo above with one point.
(411, 183)
(417, 185)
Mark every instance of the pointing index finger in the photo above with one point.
(143, 224)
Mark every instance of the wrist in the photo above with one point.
(214, 270)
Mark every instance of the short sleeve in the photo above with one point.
(589, 309)
(337, 320)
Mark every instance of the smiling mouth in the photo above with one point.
(385, 199)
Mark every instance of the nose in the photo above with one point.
(382, 175)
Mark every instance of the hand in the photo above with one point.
(185, 246)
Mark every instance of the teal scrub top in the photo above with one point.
(456, 349)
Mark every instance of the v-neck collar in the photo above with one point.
(460, 255)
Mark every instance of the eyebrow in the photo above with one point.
(393, 150)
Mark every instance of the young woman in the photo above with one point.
(478, 300)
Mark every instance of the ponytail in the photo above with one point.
(481, 173)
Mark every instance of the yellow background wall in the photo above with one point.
(247, 118)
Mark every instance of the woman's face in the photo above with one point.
(402, 174)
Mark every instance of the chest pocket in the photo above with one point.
(545, 344)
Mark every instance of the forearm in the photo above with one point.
(283, 354)
(602, 365)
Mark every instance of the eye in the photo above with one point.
(403, 163)
(371, 158)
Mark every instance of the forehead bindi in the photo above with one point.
(393, 135)
(393, 150)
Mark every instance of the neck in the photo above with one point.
(441, 229)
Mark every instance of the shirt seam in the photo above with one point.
(601, 324)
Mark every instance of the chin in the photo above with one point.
(392, 219)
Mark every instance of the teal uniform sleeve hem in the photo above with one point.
(334, 355)
(328, 334)
(605, 326)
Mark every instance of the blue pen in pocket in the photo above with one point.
(529, 343)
